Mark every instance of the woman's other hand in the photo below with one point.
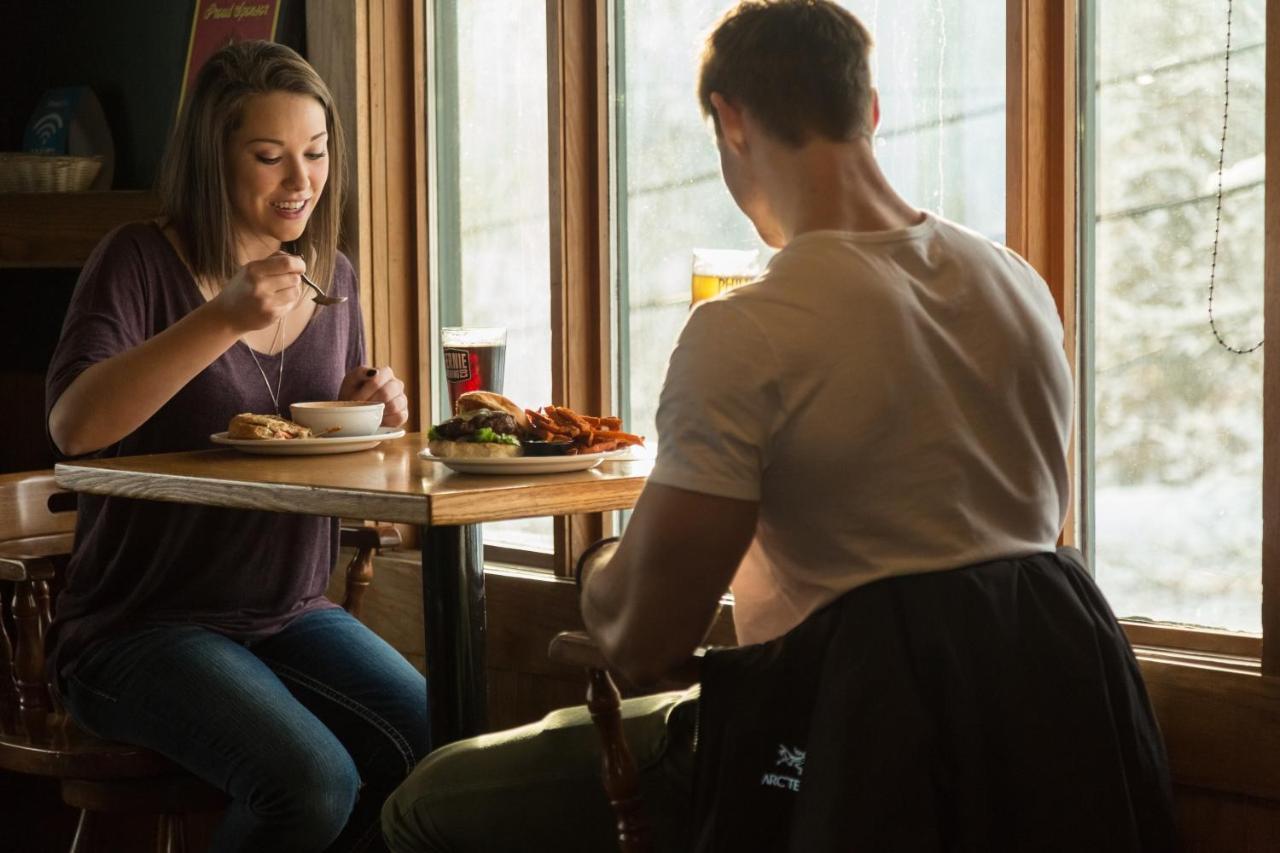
(261, 292)
(378, 385)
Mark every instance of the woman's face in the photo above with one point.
(279, 163)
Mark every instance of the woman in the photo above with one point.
(203, 633)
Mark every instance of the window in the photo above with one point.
(941, 77)
(1171, 433)
(1174, 420)
(492, 246)
(942, 144)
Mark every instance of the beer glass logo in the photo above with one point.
(717, 270)
(457, 365)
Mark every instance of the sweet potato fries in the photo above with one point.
(589, 434)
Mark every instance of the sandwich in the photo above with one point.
(251, 426)
(484, 425)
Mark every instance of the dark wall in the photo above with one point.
(131, 52)
(29, 328)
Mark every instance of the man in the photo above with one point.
(889, 404)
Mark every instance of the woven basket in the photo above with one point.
(46, 173)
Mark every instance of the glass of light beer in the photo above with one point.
(717, 270)
(474, 360)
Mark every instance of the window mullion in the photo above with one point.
(1042, 210)
(578, 150)
(447, 186)
(1271, 366)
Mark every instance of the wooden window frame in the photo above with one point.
(1271, 368)
(372, 54)
(1211, 690)
(382, 79)
(1044, 211)
(581, 272)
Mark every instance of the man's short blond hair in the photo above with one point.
(800, 67)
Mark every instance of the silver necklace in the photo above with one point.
(275, 395)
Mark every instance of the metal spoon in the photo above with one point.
(321, 298)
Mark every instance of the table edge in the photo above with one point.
(235, 494)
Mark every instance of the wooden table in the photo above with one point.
(388, 483)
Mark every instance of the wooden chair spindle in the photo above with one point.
(8, 693)
(621, 780)
(359, 576)
(33, 702)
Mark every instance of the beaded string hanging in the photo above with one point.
(1217, 224)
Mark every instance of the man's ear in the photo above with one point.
(875, 110)
(729, 122)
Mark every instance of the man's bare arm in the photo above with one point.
(652, 601)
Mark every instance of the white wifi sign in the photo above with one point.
(46, 127)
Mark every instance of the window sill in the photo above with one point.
(1192, 639)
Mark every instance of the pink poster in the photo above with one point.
(216, 23)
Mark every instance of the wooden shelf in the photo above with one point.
(61, 229)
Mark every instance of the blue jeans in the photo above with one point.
(290, 727)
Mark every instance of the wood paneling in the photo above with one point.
(396, 189)
(1222, 727)
(338, 47)
(1212, 822)
(372, 54)
(61, 229)
(525, 610)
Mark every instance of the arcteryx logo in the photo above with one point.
(790, 758)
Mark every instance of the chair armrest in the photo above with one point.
(577, 648)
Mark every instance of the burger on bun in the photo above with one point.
(484, 425)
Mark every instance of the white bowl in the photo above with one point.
(338, 417)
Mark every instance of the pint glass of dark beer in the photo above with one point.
(474, 359)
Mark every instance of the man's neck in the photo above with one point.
(829, 186)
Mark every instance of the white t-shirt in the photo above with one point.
(898, 402)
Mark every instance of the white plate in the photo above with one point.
(307, 446)
(520, 464)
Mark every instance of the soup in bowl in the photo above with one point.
(337, 418)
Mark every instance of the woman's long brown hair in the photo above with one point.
(193, 180)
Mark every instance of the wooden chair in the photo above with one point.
(37, 520)
(618, 768)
